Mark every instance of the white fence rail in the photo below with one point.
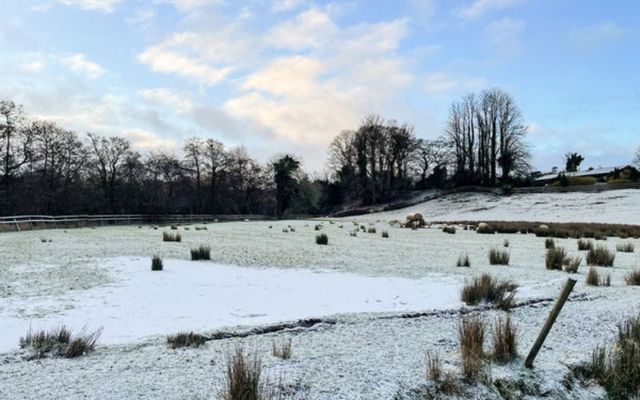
(29, 222)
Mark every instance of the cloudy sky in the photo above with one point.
(288, 75)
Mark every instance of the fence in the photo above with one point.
(31, 222)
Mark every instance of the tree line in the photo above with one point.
(47, 169)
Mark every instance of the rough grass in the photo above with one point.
(283, 349)
(594, 278)
(372, 230)
(549, 243)
(322, 239)
(625, 247)
(555, 258)
(617, 369)
(434, 365)
(202, 252)
(498, 257)
(633, 278)
(59, 342)
(574, 230)
(505, 343)
(505, 243)
(601, 256)
(244, 378)
(171, 237)
(156, 263)
(490, 290)
(571, 264)
(463, 261)
(471, 333)
(186, 339)
(385, 234)
(585, 244)
(449, 229)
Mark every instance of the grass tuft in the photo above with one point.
(171, 237)
(594, 278)
(156, 263)
(282, 350)
(463, 261)
(322, 239)
(243, 380)
(385, 234)
(490, 290)
(625, 247)
(186, 339)
(59, 342)
(471, 332)
(601, 256)
(498, 257)
(202, 252)
(434, 366)
(549, 243)
(555, 258)
(449, 229)
(633, 278)
(505, 344)
(585, 244)
(571, 264)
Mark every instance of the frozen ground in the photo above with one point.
(613, 207)
(259, 274)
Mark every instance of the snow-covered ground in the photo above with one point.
(259, 274)
(612, 207)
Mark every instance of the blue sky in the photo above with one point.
(288, 75)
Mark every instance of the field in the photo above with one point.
(378, 305)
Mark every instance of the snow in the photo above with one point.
(202, 296)
(611, 207)
(259, 275)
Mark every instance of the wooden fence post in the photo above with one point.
(568, 287)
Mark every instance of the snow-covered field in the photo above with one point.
(611, 207)
(363, 286)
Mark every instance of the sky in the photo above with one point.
(288, 75)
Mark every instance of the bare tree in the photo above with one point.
(15, 141)
(215, 159)
(195, 152)
(108, 155)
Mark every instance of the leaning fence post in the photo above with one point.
(568, 287)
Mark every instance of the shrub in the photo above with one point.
(371, 230)
(555, 258)
(59, 342)
(243, 379)
(633, 278)
(505, 345)
(585, 244)
(463, 261)
(498, 257)
(625, 247)
(156, 263)
(471, 331)
(549, 243)
(385, 234)
(434, 366)
(488, 289)
(171, 237)
(186, 339)
(201, 252)
(449, 229)
(571, 264)
(618, 370)
(322, 239)
(282, 350)
(601, 256)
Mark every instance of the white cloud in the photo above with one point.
(596, 35)
(106, 6)
(78, 63)
(142, 17)
(169, 98)
(479, 8)
(443, 83)
(148, 141)
(33, 67)
(190, 5)
(292, 76)
(286, 5)
(170, 62)
(309, 29)
(41, 8)
(504, 35)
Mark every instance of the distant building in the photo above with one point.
(601, 174)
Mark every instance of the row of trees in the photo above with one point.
(45, 168)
